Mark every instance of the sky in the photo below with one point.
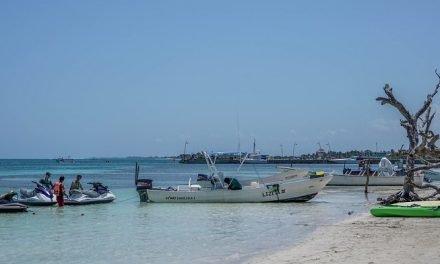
(140, 78)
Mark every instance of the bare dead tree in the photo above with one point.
(422, 140)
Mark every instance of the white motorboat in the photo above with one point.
(289, 186)
(385, 175)
(360, 180)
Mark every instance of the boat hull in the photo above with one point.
(85, 202)
(345, 161)
(83, 199)
(255, 161)
(36, 202)
(433, 174)
(12, 208)
(297, 190)
(355, 180)
(409, 209)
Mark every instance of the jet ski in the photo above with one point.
(40, 196)
(97, 194)
(8, 204)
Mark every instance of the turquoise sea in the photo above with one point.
(127, 231)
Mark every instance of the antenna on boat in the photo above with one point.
(184, 150)
(238, 134)
(210, 163)
(293, 154)
(136, 174)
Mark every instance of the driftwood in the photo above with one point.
(422, 141)
(399, 197)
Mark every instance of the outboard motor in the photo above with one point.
(202, 177)
(143, 184)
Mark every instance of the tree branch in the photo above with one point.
(428, 99)
(426, 167)
(426, 186)
(391, 100)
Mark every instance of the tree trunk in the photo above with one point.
(408, 186)
(368, 177)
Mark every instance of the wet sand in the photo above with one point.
(365, 239)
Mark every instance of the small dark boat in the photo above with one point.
(12, 208)
(8, 205)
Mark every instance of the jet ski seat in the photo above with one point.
(27, 192)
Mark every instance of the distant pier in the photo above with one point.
(286, 161)
(269, 161)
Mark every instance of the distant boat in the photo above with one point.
(65, 160)
(351, 160)
(256, 157)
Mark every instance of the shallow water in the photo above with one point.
(127, 231)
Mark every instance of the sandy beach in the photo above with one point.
(365, 239)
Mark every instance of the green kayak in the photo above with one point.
(408, 209)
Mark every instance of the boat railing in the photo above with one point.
(189, 187)
(213, 169)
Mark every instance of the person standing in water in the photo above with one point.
(59, 190)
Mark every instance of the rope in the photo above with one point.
(128, 199)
